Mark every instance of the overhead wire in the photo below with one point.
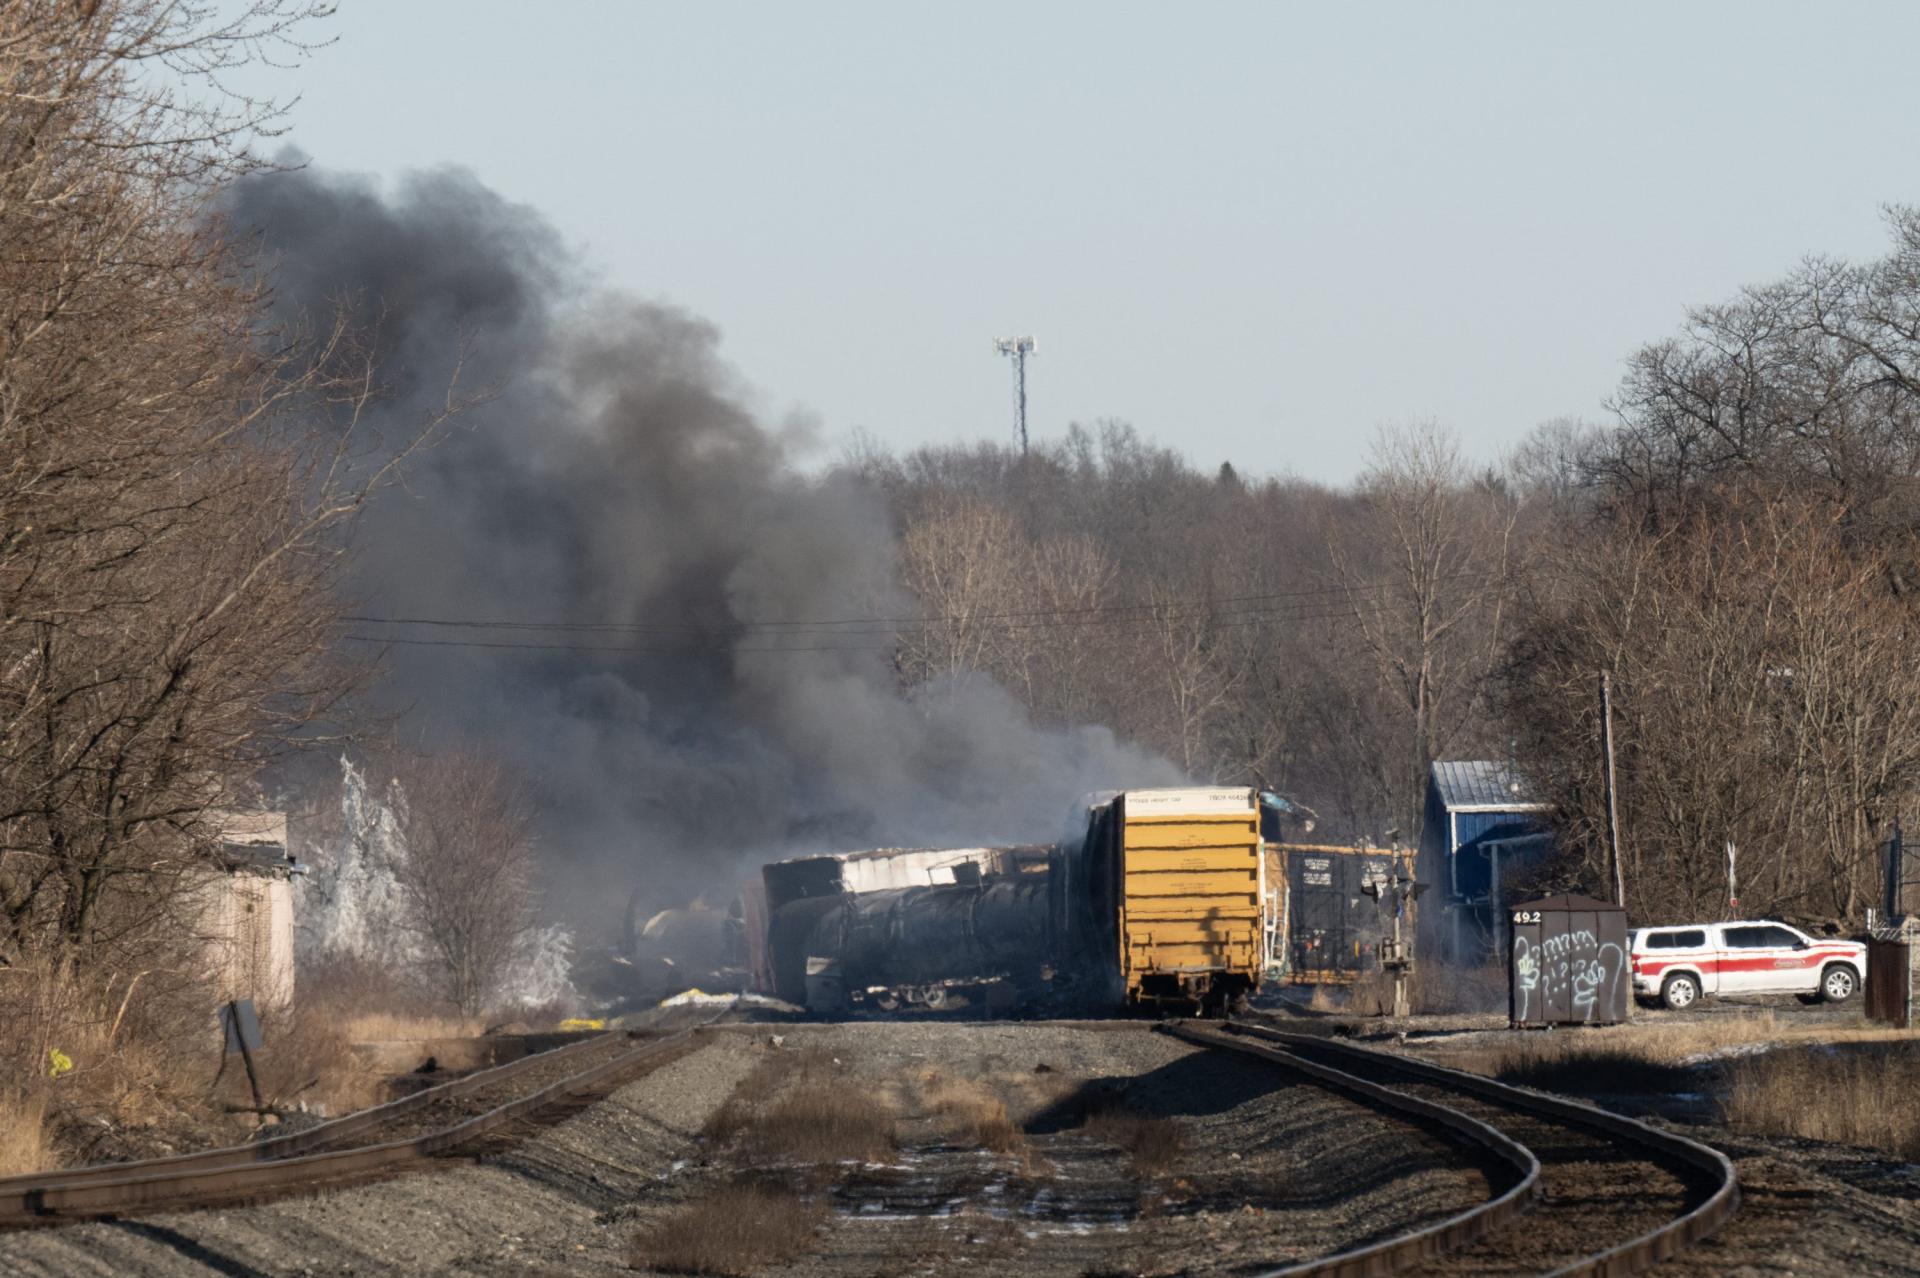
(1093, 609)
(727, 640)
(1220, 610)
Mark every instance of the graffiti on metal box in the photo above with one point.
(1573, 966)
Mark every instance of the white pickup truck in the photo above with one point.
(1679, 965)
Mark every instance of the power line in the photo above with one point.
(1018, 619)
(1133, 626)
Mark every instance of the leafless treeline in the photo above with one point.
(1737, 549)
(1278, 633)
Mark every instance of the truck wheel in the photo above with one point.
(1680, 991)
(1838, 983)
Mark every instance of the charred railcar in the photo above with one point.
(930, 928)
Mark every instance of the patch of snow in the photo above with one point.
(1731, 1052)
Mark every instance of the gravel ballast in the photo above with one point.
(1264, 1169)
(541, 1205)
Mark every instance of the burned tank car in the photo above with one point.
(677, 949)
(857, 930)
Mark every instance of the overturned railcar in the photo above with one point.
(913, 928)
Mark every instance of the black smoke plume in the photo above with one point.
(619, 480)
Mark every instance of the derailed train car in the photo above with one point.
(912, 927)
(1163, 901)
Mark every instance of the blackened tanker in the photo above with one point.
(921, 927)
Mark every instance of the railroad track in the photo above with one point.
(1607, 1195)
(387, 1138)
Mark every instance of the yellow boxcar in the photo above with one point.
(1187, 879)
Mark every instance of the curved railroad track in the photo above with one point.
(387, 1138)
(1612, 1195)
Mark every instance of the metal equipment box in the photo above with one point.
(1567, 962)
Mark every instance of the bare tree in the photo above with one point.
(175, 487)
(469, 870)
(1196, 685)
(962, 560)
(1424, 568)
(1765, 695)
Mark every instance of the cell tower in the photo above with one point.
(1019, 348)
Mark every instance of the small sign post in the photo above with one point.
(241, 1026)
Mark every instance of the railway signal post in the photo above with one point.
(1396, 954)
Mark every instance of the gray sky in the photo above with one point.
(1255, 231)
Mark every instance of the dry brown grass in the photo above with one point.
(798, 1107)
(737, 1232)
(1668, 1045)
(308, 1060)
(1153, 1143)
(971, 1112)
(394, 1027)
(1587, 1068)
(1433, 989)
(144, 1045)
(309, 1057)
(819, 1124)
(1862, 1095)
(26, 1143)
(138, 1045)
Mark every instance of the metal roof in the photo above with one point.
(1468, 785)
(1572, 902)
(1190, 801)
(256, 858)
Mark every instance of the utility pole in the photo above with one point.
(1018, 348)
(1733, 881)
(1613, 798)
(1896, 875)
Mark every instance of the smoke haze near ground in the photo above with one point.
(618, 479)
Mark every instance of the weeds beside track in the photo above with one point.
(375, 1141)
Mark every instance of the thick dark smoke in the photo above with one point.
(619, 479)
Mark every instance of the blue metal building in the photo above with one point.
(1481, 820)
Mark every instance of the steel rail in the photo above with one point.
(116, 1189)
(308, 1140)
(1429, 1242)
(1631, 1257)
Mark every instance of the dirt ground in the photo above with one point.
(1251, 1170)
(1261, 1171)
